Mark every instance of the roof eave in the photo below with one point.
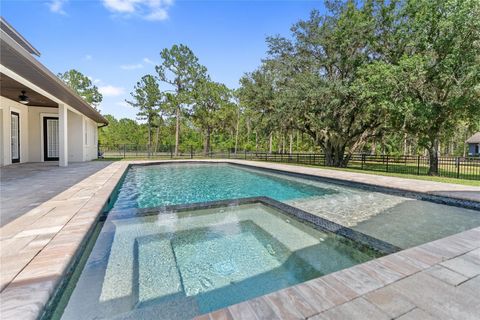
(77, 102)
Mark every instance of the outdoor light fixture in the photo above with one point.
(23, 98)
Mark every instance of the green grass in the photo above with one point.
(399, 175)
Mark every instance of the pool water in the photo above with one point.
(161, 185)
(180, 265)
(401, 221)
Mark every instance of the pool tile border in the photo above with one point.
(43, 243)
(303, 216)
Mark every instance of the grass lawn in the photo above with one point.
(411, 176)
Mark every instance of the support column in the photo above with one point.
(63, 135)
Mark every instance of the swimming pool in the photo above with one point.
(150, 258)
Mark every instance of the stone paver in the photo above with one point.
(390, 301)
(416, 314)
(451, 277)
(27, 185)
(37, 249)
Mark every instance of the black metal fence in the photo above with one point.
(452, 167)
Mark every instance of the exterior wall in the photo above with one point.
(35, 126)
(8, 106)
(82, 133)
(31, 128)
(90, 146)
(75, 137)
(2, 134)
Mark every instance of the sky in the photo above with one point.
(116, 42)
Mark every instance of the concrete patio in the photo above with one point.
(26, 186)
(437, 280)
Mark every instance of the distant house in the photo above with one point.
(474, 145)
(41, 118)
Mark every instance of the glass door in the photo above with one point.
(15, 137)
(50, 139)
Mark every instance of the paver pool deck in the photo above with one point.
(436, 280)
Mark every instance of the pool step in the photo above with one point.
(157, 277)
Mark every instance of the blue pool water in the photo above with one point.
(180, 265)
(161, 185)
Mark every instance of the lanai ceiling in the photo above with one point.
(11, 89)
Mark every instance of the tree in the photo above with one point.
(257, 93)
(211, 107)
(180, 69)
(313, 79)
(122, 132)
(83, 86)
(148, 99)
(435, 85)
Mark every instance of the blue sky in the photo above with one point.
(115, 42)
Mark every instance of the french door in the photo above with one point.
(15, 136)
(50, 139)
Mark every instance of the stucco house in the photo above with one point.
(474, 145)
(41, 118)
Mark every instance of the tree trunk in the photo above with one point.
(335, 156)
(236, 134)
(177, 131)
(149, 139)
(206, 144)
(433, 157)
(270, 143)
(405, 143)
(157, 138)
(291, 143)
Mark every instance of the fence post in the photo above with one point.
(387, 164)
(245, 154)
(363, 160)
(418, 165)
(458, 167)
(124, 151)
(191, 152)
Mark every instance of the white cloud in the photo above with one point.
(88, 57)
(94, 80)
(56, 6)
(123, 104)
(131, 66)
(111, 91)
(148, 61)
(153, 10)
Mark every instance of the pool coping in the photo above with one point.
(43, 243)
